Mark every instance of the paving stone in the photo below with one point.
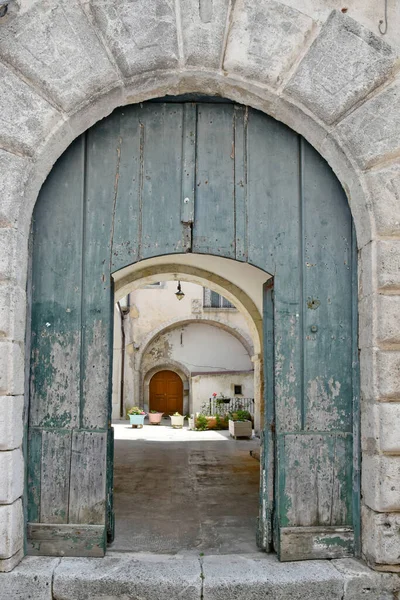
(11, 422)
(14, 174)
(264, 39)
(12, 373)
(142, 36)
(380, 375)
(12, 474)
(11, 529)
(380, 482)
(380, 430)
(344, 63)
(8, 564)
(380, 267)
(30, 580)
(379, 325)
(384, 199)
(388, 264)
(26, 118)
(381, 537)
(203, 31)
(55, 46)
(371, 133)
(123, 576)
(387, 323)
(12, 311)
(388, 374)
(389, 427)
(255, 577)
(13, 255)
(361, 583)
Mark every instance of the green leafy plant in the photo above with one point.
(154, 412)
(222, 423)
(240, 415)
(177, 414)
(135, 410)
(201, 422)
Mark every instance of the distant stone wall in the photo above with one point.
(330, 76)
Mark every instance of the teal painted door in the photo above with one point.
(210, 178)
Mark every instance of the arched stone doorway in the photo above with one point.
(166, 392)
(176, 368)
(251, 204)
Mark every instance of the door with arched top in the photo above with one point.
(214, 178)
(166, 393)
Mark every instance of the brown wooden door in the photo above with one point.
(166, 392)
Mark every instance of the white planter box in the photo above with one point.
(240, 429)
(177, 422)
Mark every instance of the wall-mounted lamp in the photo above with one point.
(179, 294)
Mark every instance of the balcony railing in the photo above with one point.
(219, 406)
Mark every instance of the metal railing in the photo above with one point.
(223, 406)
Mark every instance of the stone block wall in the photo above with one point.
(330, 76)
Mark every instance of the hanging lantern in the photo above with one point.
(179, 294)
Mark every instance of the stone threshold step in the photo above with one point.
(172, 577)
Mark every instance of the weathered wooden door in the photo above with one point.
(220, 179)
(166, 393)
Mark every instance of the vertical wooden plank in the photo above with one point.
(34, 474)
(267, 446)
(87, 500)
(189, 162)
(356, 400)
(127, 188)
(56, 294)
(240, 189)
(162, 179)
(214, 225)
(328, 328)
(102, 176)
(110, 486)
(315, 480)
(274, 228)
(55, 473)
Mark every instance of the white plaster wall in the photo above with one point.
(153, 306)
(198, 347)
(203, 386)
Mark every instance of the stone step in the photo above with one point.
(130, 576)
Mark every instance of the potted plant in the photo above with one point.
(240, 424)
(155, 417)
(136, 416)
(201, 422)
(177, 420)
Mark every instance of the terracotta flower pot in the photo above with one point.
(155, 418)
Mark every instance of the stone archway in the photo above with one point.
(357, 134)
(242, 285)
(170, 365)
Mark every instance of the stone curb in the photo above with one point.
(222, 577)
